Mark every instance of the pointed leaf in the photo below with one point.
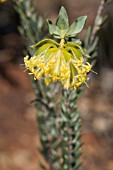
(53, 29)
(67, 55)
(92, 48)
(43, 48)
(37, 45)
(76, 53)
(94, 54)
(62, 20)
(50, 53)
(88, 36)
(76, 41)
(79, 48)
(76, 26)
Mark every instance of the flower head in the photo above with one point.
(64, 62)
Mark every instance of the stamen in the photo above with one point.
(86, 84)
(94, 72)
(25, 70)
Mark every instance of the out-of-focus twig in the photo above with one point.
(91, 41)
(97, 19)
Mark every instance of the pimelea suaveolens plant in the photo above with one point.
(65, 61)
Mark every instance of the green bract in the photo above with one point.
(71, 47)
(61, 28)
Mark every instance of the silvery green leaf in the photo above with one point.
(94, 55)
(94, 45)
(76, 41)
(53, 29)
(62, 20)
(76, 26)
(40, 22)
(88, 35)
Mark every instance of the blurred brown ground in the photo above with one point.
(19, 137)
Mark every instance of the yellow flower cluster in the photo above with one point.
(62, 62)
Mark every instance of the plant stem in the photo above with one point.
(62, 43)
(70, 129)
